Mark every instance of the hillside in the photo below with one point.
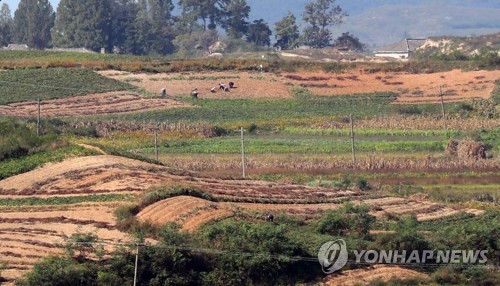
(384, 21)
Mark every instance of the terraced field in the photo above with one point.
(89, 105)
(30, 227)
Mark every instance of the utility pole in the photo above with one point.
(442, 107)
(243, 164)
(156, 144)
(352, 139)
(136, 263)
(38, 127)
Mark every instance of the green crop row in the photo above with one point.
(29, 84)
(65, 200)
(280, 145)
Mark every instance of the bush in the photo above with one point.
(18, 140)
(350, 219)
(363, 184)
(254, 254)
(54, 271)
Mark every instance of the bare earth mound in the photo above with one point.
(94, 104)
(28, 233)
(367, 275)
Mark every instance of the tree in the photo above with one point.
(287, 32)
(83, 24)
(320, 15)
(235, 14)
(210, 12)
(162, 32)
(6, 24)
(196, 42)
(349, 42)
(123, 36)
(33, 21)
(259, 33)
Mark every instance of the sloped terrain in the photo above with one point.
(30, 231)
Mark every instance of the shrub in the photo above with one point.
(363, 184)
(254, 253)
(350, 219)
(54, 271)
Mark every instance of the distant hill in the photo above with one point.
(379, 22)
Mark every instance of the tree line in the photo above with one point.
(149, 27)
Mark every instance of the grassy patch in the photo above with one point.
(17, 166)
(228, 111)
(287, 145)
(29, 84)
(65, 200)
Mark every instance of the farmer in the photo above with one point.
(163, 92)
(270, 217)
(231, 84)
(194, 93)
(212, 90)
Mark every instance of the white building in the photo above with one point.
(401, 50)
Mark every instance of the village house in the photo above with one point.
(401, 50)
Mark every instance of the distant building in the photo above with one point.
(401, 50)
(75, 50)
(17, 47)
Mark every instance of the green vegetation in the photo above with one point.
(21, 150)
(64, 200)
(232, 111)
(51, 83)
(27, 163)
(260, 144)
(243, 250)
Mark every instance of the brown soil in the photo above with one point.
(26, 237)
(412, 88)
(248, 84)
(94, 104)
(31, 232)
(366, 275)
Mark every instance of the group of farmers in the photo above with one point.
(194, 92)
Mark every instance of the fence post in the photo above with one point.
(136, 264)
(352, 139)
(243, 164)
(38, 127)
(442, 107)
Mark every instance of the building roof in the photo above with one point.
(404, 46)
(17, 47)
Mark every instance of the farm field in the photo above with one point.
(456, 85)
(80, 187)
(94, 167)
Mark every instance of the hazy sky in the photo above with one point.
(13, 4)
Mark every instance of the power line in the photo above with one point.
(273, 256)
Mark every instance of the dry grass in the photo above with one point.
(90, 105)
